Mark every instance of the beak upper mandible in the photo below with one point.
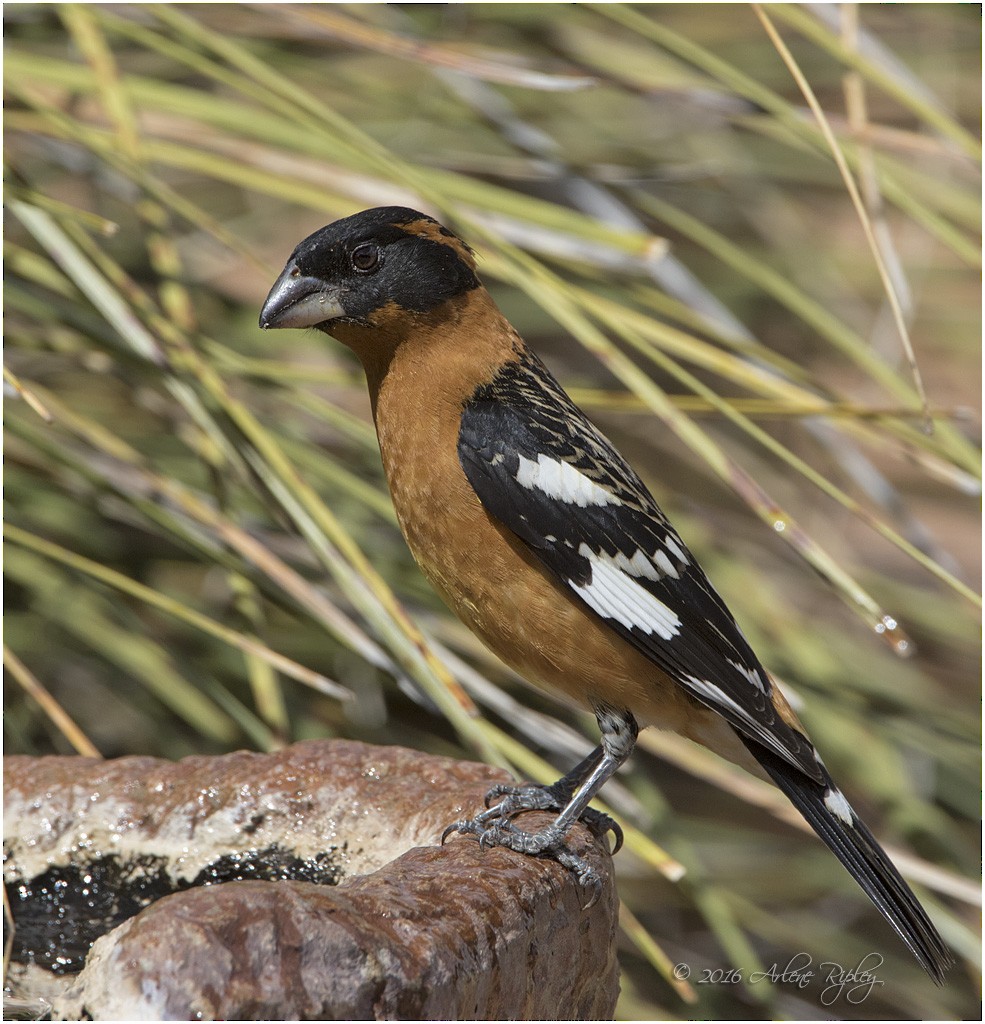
(299, 301)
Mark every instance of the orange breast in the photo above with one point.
(489, 578)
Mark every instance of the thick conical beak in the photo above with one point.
(298, 301)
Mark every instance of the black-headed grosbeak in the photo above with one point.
(548, 545)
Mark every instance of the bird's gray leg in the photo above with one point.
(570, 796)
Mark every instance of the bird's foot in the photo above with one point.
(549, 842)
(504, 802)
(494, 827)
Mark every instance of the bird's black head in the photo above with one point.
(367, 268)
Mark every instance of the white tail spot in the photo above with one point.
(836, 803)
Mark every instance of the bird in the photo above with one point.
(545, 542)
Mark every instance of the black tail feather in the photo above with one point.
(855, 846)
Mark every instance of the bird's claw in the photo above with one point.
(606, 824)
(464, 826)
(500, 789)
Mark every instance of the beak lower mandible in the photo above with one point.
(299, 301)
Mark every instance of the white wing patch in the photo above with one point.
(638, 565)
(753, 675)
(614, 594)
(558, 479)
(675, 549)
(718, 696)
(667, 567)
(652, 567)
(836, 803)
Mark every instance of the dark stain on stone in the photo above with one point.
(60, 913)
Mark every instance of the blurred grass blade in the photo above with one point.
(59, 717)
(337, 25)
(111, 578)
(644, 943)
(863, 215)
(27, 395)
(139, 486)
(88, 280)
(932, 113)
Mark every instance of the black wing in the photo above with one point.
(540, 467)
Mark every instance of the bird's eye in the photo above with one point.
(365, 257)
